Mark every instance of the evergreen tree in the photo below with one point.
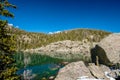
(7, 45)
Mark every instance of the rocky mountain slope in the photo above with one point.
(66, 49)
(107, 50)
(30, 40)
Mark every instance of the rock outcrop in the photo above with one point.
(108, 50)
(67, 48)
(73, 70)
(78, 70)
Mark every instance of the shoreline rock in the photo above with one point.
(108, 50)
(73, 70)
(77, 70)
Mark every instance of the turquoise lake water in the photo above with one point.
(41, 71)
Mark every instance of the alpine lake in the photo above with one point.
(38, 67)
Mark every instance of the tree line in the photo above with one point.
(7, 44)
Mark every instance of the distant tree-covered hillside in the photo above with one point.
(27, 40)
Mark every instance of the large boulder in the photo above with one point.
(108, 50)
(73, 70)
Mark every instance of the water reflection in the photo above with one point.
(27, 74)
(39, 71)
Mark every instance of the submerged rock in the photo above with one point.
(51, 77)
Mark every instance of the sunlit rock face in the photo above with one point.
(108, 50)
(79, 71)
(65, 48)
(73, 70)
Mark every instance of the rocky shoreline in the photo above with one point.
(106, 52)
(66, 48)
(77, 70)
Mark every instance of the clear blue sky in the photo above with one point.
(58, 15)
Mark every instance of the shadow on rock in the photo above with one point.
(101, 54)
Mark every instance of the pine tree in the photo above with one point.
(7, 45)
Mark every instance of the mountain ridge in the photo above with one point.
(30, 40)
